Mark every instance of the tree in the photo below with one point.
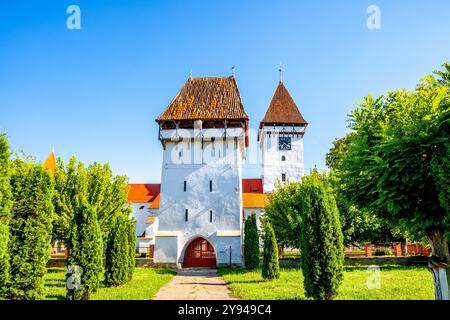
(30, 230)
(397, 163)
(5, 207)
(85, 249)
(131, 246)
(117, 266)
(283, 211)
(106, 193)
(271, 265)
(321, 244)
(251, 243)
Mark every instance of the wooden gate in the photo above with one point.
(200, 253)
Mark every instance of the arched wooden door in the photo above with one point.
(200, 253)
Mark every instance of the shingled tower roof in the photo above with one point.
(206, 98)
(283, 110)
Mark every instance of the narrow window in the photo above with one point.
(210, 216)
(185, 186)
(210, 185)
(180, 154)
(283, 158)
(141, 208)
(186, 215)
(283, 177)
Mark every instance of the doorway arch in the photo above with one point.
(199, 253)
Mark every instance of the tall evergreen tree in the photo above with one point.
(85, 250)
(251, 243)
(30, 230)
(271, 265)
(5, 206)
(131, 247)
(117, 266)
(321, 240)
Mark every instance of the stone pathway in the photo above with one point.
(195, 284)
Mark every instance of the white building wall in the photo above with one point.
(140, 212)
(272, 166)
(219, 161)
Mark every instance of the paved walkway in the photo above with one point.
(195, 284)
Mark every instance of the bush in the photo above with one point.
(5, 206)
(321, 240)
(251, 243)
(85, 250)
(131, 247)
(30, 231)
(117, 266)
(271, 265)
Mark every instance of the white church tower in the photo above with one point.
(204, 134)
(281, 140)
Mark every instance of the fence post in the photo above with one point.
(368, 249)
(397, 248)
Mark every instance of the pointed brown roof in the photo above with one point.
(50, 164)
(282, 109)
(206, 98)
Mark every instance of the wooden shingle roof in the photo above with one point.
(206, 98)
(283, 110)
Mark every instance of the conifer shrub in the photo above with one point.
(321, 240)
(271, 265)
(117, 267)
(30, 231)
(131, 247)
(5, 207)
(85, 251)
(251, 243)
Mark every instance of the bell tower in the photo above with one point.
(280, 139)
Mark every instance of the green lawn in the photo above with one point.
(397, 283)
(144, 285)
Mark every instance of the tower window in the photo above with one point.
(185, 186)
(180, 154)
(283, 177)
(186, 215)
(210, 185)
(210, 216)
(283, 158)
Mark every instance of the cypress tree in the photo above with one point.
(321, 240)
(30, 231)
(117, 266)
(131, 247)
(271, 265)
(5, 206)
(85, 250)
(251, 243)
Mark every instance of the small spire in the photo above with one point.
(233, 71)
(190, 74)
(281, 72)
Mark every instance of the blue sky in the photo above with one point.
(95, 92)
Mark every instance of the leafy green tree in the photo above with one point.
(283, 211)
(131, 231)
(321, 243)
(397, 163)
(251, 243)
(117, 266)
(271, 265)
(106, 193)
(30, 230)
(5, 208)
(85, 248)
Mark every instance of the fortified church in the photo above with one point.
(195, 217)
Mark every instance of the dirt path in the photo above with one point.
(195, 284)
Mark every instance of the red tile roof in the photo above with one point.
(206, 98)
(282, 109)
(252, 185)
(141, 193)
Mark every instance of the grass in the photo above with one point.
(397, 283)
(145, 284)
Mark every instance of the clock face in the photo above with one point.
(284, 143)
